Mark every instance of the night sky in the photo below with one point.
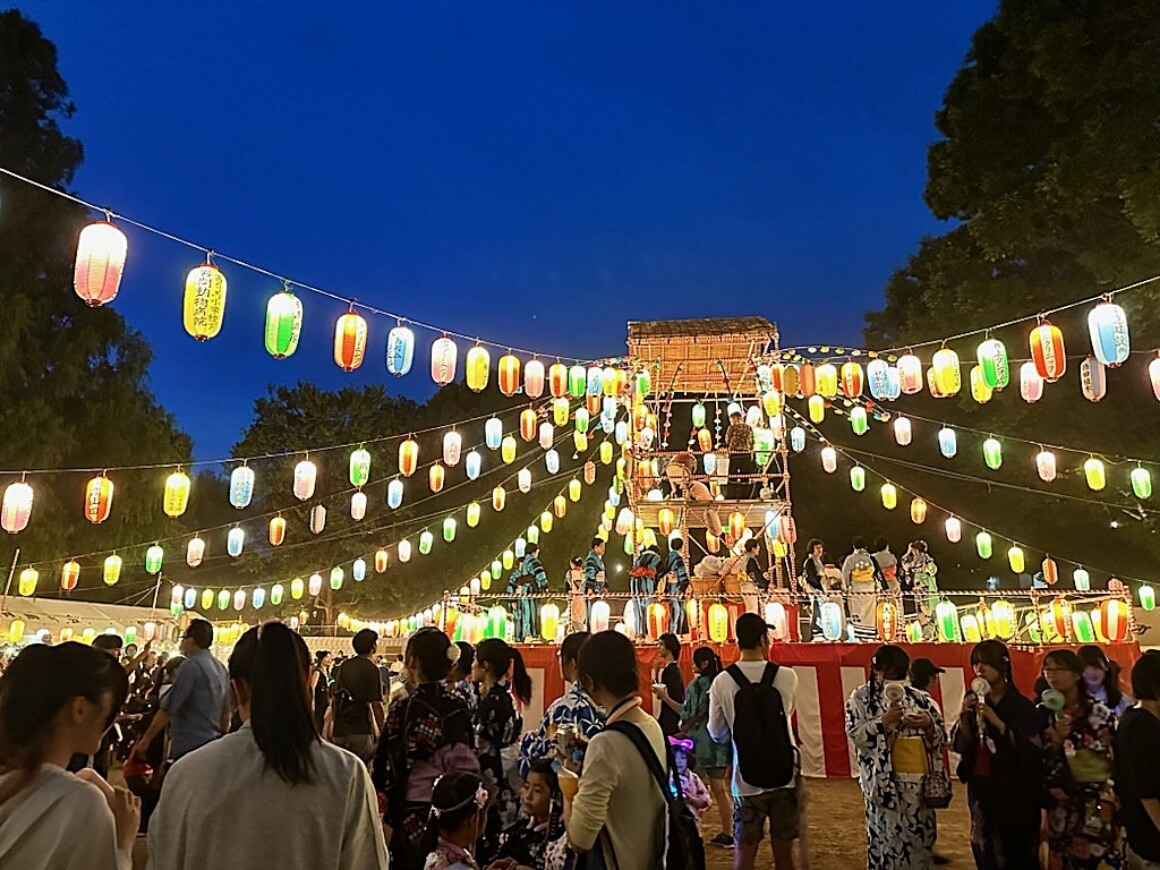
(533, 173)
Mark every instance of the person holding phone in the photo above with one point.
(897, 731)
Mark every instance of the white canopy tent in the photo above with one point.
(77, 620)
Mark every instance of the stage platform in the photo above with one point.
(827, 674)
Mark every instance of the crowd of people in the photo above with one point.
(280, 759)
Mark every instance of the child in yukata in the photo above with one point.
(696, 793)
(525, 842)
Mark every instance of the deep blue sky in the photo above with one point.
(535, 173)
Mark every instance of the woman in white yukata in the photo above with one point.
(897, 731)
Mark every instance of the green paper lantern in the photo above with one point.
(984, 545)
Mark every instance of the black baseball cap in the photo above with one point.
(922, 670)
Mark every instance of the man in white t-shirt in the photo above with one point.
(752, 805)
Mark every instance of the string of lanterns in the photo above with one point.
(102, 252)
(954, 524)
(359, 474)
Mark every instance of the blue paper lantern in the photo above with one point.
(395, 494)
(241, 487)
(1108, 327)
(472, 464)
(493, 433)
(400, 350)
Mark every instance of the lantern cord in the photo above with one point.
(345, 300)
(242, 460)
(272, 513)
(814, 433)
(1112, 458)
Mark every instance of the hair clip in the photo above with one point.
(453, 653)
(480, 798)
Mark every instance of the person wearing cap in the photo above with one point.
(923, 673)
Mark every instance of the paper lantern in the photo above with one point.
(560, 411)
(1081, 579)
(1003, 619)
(1141, 481)
(878, 379)
(111, 572)
(736, 525)
(1082, 630)
(472, 464)
(1095, 474)
(552, 461)
(816, 408)
(1045, 465)
(718, 623)
(1047, 351)
(426, 540)
(980, 391)
(797, 439)
(478, 367)
(613, 381)
(507, 560)
(918, 511)
(1154, 377)
(902, 431)
(851, 375)
(857, 478)
(577, 381)
(358, 505)
(574, 490)
(858, 422)
(408, 457)
(508, 374)
(16, 631)
(827, 380)
(1059, 616)
(831, 620)
(381, 561)
(507, 449)
(153, 558)
(642, 383)
(241, 487)
(993, 364)
(305, 479)
(1050, 571)
(195, 551)
(558, 380)
(624, 521)
(176, 498)
(791, 380)
(932, 384)
(590, 468)
(1030, 383)
(948, 442)
(204, 306)
(560, 506)
(534, 379)
(444, 356)
(1093, 379)
(910, 374)
(473, 513)
(777, 620)
(889, 496)
(984, 546)
(98, 499)
(1147, 597)
(1015, 558)
(100, 263)
(887, 620)
(257, 598)
(315, 585)
(70, 573)
(236, 540)
(400, 353)
(1108, 328)
(667, 521)
(26, 584)
(524, 480)
(317, 519)
(297, 588)
(947, 375)
(595, 381)
(829, 459)
(549, 621)
(954, 529)
(360, 467)
(657, 615)
(283, 324)
(239, 600)
(498, 498)
(1114, 618)
(580, 420)
(946, 616)
(993, 454)
(970, 628)
(770, 403)
(435, 476)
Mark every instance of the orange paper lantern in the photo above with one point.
(509, 374)
(408, 457)
(98, 499)
(350, 341)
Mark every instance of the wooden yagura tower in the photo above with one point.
(699, 370)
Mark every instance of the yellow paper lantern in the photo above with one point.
(889, 496)
(98, 499)
(918, 510)
(718, 623)
(478, 366)
(26, 585)
(473, 513)
(435, 475)
(549, 621)
(507, 450)
(176, 494)
(204, 306)
(947, 376)
(111, 572)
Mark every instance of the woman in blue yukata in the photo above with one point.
(897, 733)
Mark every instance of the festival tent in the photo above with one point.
(63, 619)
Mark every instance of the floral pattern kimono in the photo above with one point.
(574, 707)
(497, 725)
(900, 830)
(1082, 832)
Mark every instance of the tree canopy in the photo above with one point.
(74, 387)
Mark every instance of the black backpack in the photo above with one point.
(684, 849)
(766, 756)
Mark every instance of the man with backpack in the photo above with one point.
(750, 705)
(355, 716)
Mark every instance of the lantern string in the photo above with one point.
(243, 460)
(275, 512)
(816, 434)
(1114, 459)
(344, 299)
(414, 524)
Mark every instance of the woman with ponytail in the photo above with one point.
(426, 737)
(272, 793)
(504, 690)
(1102, 677)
